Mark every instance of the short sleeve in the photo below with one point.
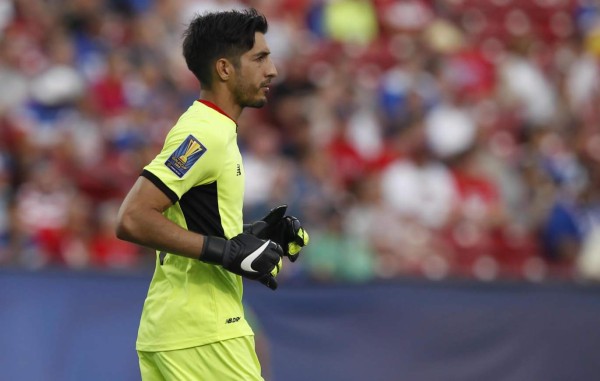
(189, 158)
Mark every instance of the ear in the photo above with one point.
(224, 69)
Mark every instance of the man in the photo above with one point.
(187, 204)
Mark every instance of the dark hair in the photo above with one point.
(211, 36)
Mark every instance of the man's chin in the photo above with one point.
(257, 104)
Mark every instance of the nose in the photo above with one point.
(272, 71)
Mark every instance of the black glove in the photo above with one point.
(245, 255)
(287, 231)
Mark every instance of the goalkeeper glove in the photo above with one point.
(287, 231)
(245, 255)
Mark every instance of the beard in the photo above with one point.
(247, 95)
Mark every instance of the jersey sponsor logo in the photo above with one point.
(185, 156)
(232, 320)
(246, 264)
(238, 172)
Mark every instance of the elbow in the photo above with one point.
(125, 226)
(122, 233)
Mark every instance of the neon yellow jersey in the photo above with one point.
(189, 302)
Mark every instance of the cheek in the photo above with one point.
(244, 90)
(249, 82)
(244, 87)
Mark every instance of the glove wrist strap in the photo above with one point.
(213, 249)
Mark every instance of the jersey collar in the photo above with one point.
(216, 108)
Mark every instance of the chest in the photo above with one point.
(230, 183)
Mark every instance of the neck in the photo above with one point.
(224, 101)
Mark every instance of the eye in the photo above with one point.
(262, 57)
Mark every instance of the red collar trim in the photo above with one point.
(215, 107)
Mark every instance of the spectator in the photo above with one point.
(336, 256)
(351, 21)
(5, 224)
(42, 206)
(106, 251)
(494, 104)
(526, 86)
(267, 173)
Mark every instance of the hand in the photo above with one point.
(287, 231)
(245, 255)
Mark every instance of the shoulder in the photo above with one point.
(206, 126)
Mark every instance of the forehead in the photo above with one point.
(260, 44)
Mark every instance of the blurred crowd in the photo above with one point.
(431, 138)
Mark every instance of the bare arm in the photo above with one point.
(141, 221)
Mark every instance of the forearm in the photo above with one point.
(151, 229)
(141, 221)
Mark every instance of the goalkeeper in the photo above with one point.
(187, 205)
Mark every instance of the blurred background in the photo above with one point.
(441, 150)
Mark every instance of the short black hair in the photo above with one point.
(214, 35)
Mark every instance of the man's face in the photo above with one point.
(255, 72)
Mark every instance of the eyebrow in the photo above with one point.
(262, 53)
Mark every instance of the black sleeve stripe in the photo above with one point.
(160, 185)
